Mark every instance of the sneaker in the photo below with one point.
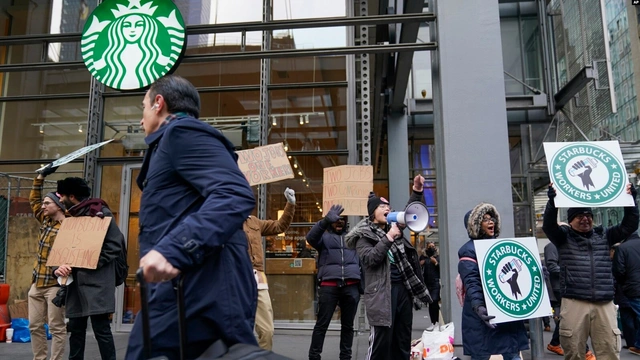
(634, 350)
(590, 355)
(433, 326)
(547, 328)
(556, 349)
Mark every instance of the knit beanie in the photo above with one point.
(54, 197)
(74, 186)
(573, 212)
(374, 202)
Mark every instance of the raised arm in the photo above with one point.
(314, 237)
(629, 224)
(550, 220)
(35, 198)
(275, 227)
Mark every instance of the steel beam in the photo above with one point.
(242, 27)
(577, 83)
(265, 79)
(514, 102)
(94, 131)
(408, 34)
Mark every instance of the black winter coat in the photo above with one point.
(335, 260)
(626, 266)
(585, 262)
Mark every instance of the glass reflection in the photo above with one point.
(309, 38)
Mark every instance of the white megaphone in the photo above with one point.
(415, 216)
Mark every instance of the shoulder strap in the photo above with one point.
(466, 258)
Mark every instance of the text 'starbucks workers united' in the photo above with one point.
(128, 44)
(587, 173)
(513, 279)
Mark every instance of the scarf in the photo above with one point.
(417, 289)
(94, 208)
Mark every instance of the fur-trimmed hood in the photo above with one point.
(474, 223)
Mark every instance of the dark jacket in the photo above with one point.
(585, 262)
(477, 338)
(194, 202)
(92, 291)
(552, 263)
(336, 261)
(372, 245)
(431, 272)
(626, 266)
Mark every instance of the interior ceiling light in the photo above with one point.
(301, 120)
(306, 119)
(41, 129)
(273, 120)
(80, 128)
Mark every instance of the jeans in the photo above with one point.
(635, 305)
(347, 297)
(101, 329)
(630, 325)
(515, 356)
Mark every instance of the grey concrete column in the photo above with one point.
(472, 149)
(398, 151)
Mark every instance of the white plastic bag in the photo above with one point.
(438, 345)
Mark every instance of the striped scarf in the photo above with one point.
(417, 288)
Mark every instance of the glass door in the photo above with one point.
(127, 294)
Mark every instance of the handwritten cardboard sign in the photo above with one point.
(349, 186)
(265, 164)
(79, 242)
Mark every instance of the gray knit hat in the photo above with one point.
(56, 199)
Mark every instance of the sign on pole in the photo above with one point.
(76, 154)
(588, 174)
(79, 242)
(349, 186)
(265, 164)
(512, 279)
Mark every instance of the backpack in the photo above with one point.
(460, 291)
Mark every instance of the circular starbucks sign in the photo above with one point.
(587, 174)
(129, 44)
(513, 279)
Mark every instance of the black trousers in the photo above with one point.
(391, 343)
(434, 307)
(347, 297)
(102, 330)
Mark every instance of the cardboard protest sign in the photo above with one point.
(265, 164)
(349, 186)
(512, 279)
(588, 174)
(79, 241)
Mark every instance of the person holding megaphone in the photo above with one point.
(392, 277)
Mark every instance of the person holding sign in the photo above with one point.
(481, 338)
(194, 202)
(393, 278)
(255, 229)
(339, 276)
(586, 277)
(91, 294)
(44, 286)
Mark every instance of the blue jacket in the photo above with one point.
(477, 338)
(335, 260)
(194, 202)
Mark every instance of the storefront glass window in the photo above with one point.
(44, 129)
(309, 119)
(308, 69)
(45, 82)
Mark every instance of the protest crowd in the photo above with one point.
(198, 232)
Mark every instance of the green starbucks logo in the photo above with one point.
(587, 174)
(128, 45)
(513, 279)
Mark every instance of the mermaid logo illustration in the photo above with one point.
(127, 45)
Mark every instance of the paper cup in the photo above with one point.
(9, 334)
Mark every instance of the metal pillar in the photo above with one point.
(398, 153)
(265, 79)
(472, 147)
(364, 83)
(94, 132)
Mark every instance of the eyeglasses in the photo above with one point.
(384, 206)
(46, 203)
(582, 216)
(486, 220)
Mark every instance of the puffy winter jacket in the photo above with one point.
(335, 260)
(585, 262)
(626, 266)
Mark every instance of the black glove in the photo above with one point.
(333, 214)
(482, 313)
(61, 297)
(551, 193)
(634, 191)
(48, 170)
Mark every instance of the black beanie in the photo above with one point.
(74, 186)
(374, 202)
(56, 199)
(573, 212)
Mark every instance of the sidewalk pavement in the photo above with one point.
(293, 344)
